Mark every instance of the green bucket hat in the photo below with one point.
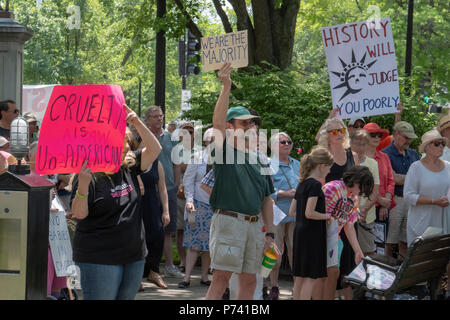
(240, 113)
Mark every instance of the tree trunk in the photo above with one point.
(270, 35)
(271, 38)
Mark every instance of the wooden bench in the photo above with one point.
(425, 261)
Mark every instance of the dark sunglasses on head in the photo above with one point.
(439, 143)
(288, 142)
(336, 131)
(376, 135)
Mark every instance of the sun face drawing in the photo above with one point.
(353, 76)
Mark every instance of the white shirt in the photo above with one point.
(446, 155)
(193, 177)
(420, 181)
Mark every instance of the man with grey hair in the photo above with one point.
(401, 157)
(154, 120)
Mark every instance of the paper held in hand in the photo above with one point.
(230, 47)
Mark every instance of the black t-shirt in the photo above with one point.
(5, 133)
(113, 232)
(307, 189)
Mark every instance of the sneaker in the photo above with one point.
(273, 295)
(172, 271)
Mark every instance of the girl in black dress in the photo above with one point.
(310, 238)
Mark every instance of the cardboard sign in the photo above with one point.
(362, 68)
(59, 240)
(230, 47)
(85, 122)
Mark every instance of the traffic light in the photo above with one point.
(192, 55)
(181, 58)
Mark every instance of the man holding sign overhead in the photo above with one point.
(239, 194)
(109, 243)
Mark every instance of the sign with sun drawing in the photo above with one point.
(362, 68)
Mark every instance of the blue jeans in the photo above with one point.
(110, 282)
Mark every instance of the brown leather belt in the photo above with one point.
(235, 214)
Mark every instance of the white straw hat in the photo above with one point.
(430, 136)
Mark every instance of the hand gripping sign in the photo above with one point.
(231, 47)
(85, 122)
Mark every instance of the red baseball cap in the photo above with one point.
(372, 127)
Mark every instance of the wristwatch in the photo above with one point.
(270, 234)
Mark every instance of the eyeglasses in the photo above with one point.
(336, 131)
(376, 135)
(288, 142)
(439, 143)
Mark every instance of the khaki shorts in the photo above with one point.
(365, 238)
(397, 221)
(181, 203)
(284, 233)
(236, 244)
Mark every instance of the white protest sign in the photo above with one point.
(278, 215)
(185, 97)
(362, 68)
(60, 241)
(230, 47)
(35, 99)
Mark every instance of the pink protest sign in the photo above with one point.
(85, 122)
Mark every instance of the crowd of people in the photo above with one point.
(212, 205)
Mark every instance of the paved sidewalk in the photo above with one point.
(196, 291)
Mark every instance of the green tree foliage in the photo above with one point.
(116, 42)
(298, 100)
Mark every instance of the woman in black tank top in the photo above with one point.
(337, 171)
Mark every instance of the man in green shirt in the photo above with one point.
(239, 194)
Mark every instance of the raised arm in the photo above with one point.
(152, 148)
(221, 108)
(80, 201)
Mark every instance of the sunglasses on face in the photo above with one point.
(439, 143)
(288, 142)
(335, 132)
(376, 135)
(15, 111)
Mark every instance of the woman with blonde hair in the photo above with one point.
(334, 137)
(310, 236)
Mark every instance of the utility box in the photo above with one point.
(24, 222)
